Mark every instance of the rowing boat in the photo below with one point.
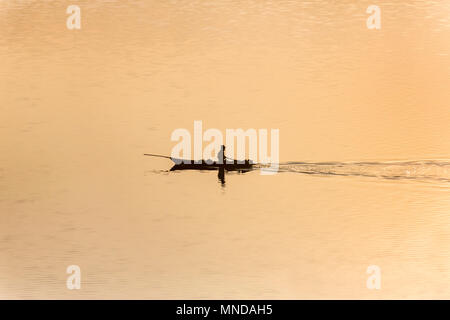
(184, 164)
(208, 165)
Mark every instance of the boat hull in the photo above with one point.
(234, 166)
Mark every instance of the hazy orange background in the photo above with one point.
(80, 107)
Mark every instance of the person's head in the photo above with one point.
(223, 148)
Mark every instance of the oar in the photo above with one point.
(157, 155)
(176, 160)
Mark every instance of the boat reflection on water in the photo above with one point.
(238, 166)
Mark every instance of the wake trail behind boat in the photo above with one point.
(423, 170)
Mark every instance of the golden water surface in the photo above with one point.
(80, 107)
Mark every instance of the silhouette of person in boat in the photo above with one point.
(221, 160)
(221, 155)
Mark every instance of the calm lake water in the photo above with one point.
(364, 144)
